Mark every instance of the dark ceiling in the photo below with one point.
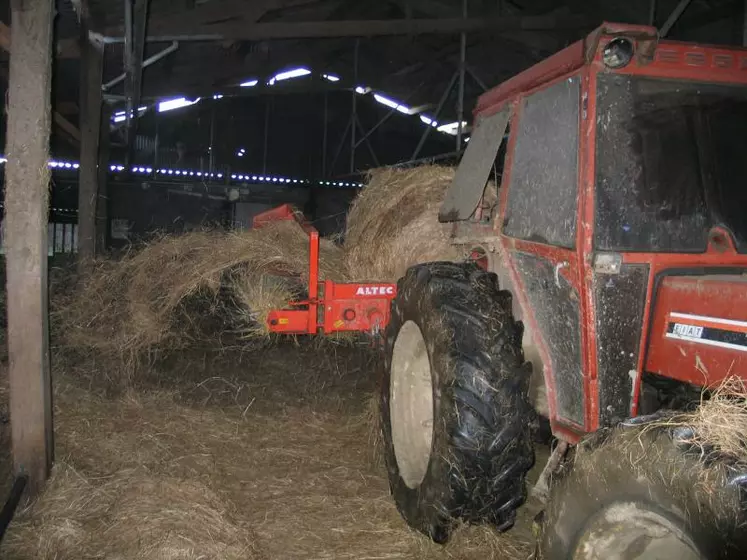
(222, 43)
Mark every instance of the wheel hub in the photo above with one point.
(411, 404)
(629, 531)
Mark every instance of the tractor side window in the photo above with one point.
(543, 182)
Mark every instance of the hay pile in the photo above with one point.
(717, 428)
(135, 513)
(180, 290)
(253, 473)
(204, 287)
(720, 423)
(393, 223)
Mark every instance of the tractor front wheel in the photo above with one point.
(455, 416)
(644, 492)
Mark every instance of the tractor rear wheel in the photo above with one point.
(454, 409)
(643, 492)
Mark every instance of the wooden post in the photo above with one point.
(91, 68)
(26, 217)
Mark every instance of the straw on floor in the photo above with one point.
(256, 472)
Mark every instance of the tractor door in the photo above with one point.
(540, 235)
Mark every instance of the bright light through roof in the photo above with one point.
(288, 74)
(429, 121)
(392, 103)
(249, 83)
(331, 77)
(119, 116)
(178, 103)
(451, 128)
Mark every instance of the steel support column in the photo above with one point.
(462, 70)
(211, 158)
(268, 108)
(325, 124)
(354, 111)
(102, 199)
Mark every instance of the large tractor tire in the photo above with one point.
(644, 491)
(454, 409)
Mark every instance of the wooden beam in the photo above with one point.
(67, 107)
(4, 37)
(26, 215)
(91, 73)
(217, 10)
(68, 127)
(59, 120)
(240, 31)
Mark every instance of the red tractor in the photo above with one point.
(610, 284)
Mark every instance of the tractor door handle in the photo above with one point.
(558, 267)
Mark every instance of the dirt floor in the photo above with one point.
(255, 454)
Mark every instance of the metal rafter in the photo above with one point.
(673, 17)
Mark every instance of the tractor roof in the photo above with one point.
(584, 51)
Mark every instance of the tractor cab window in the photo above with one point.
(671, 163)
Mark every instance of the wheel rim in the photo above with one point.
(629, 531)
(411, 404)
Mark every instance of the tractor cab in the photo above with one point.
(620, 227)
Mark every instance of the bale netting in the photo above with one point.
(393, 223)
(179, 290)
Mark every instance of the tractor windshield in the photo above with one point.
(671, 163)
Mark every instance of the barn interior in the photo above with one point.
(171, 118)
